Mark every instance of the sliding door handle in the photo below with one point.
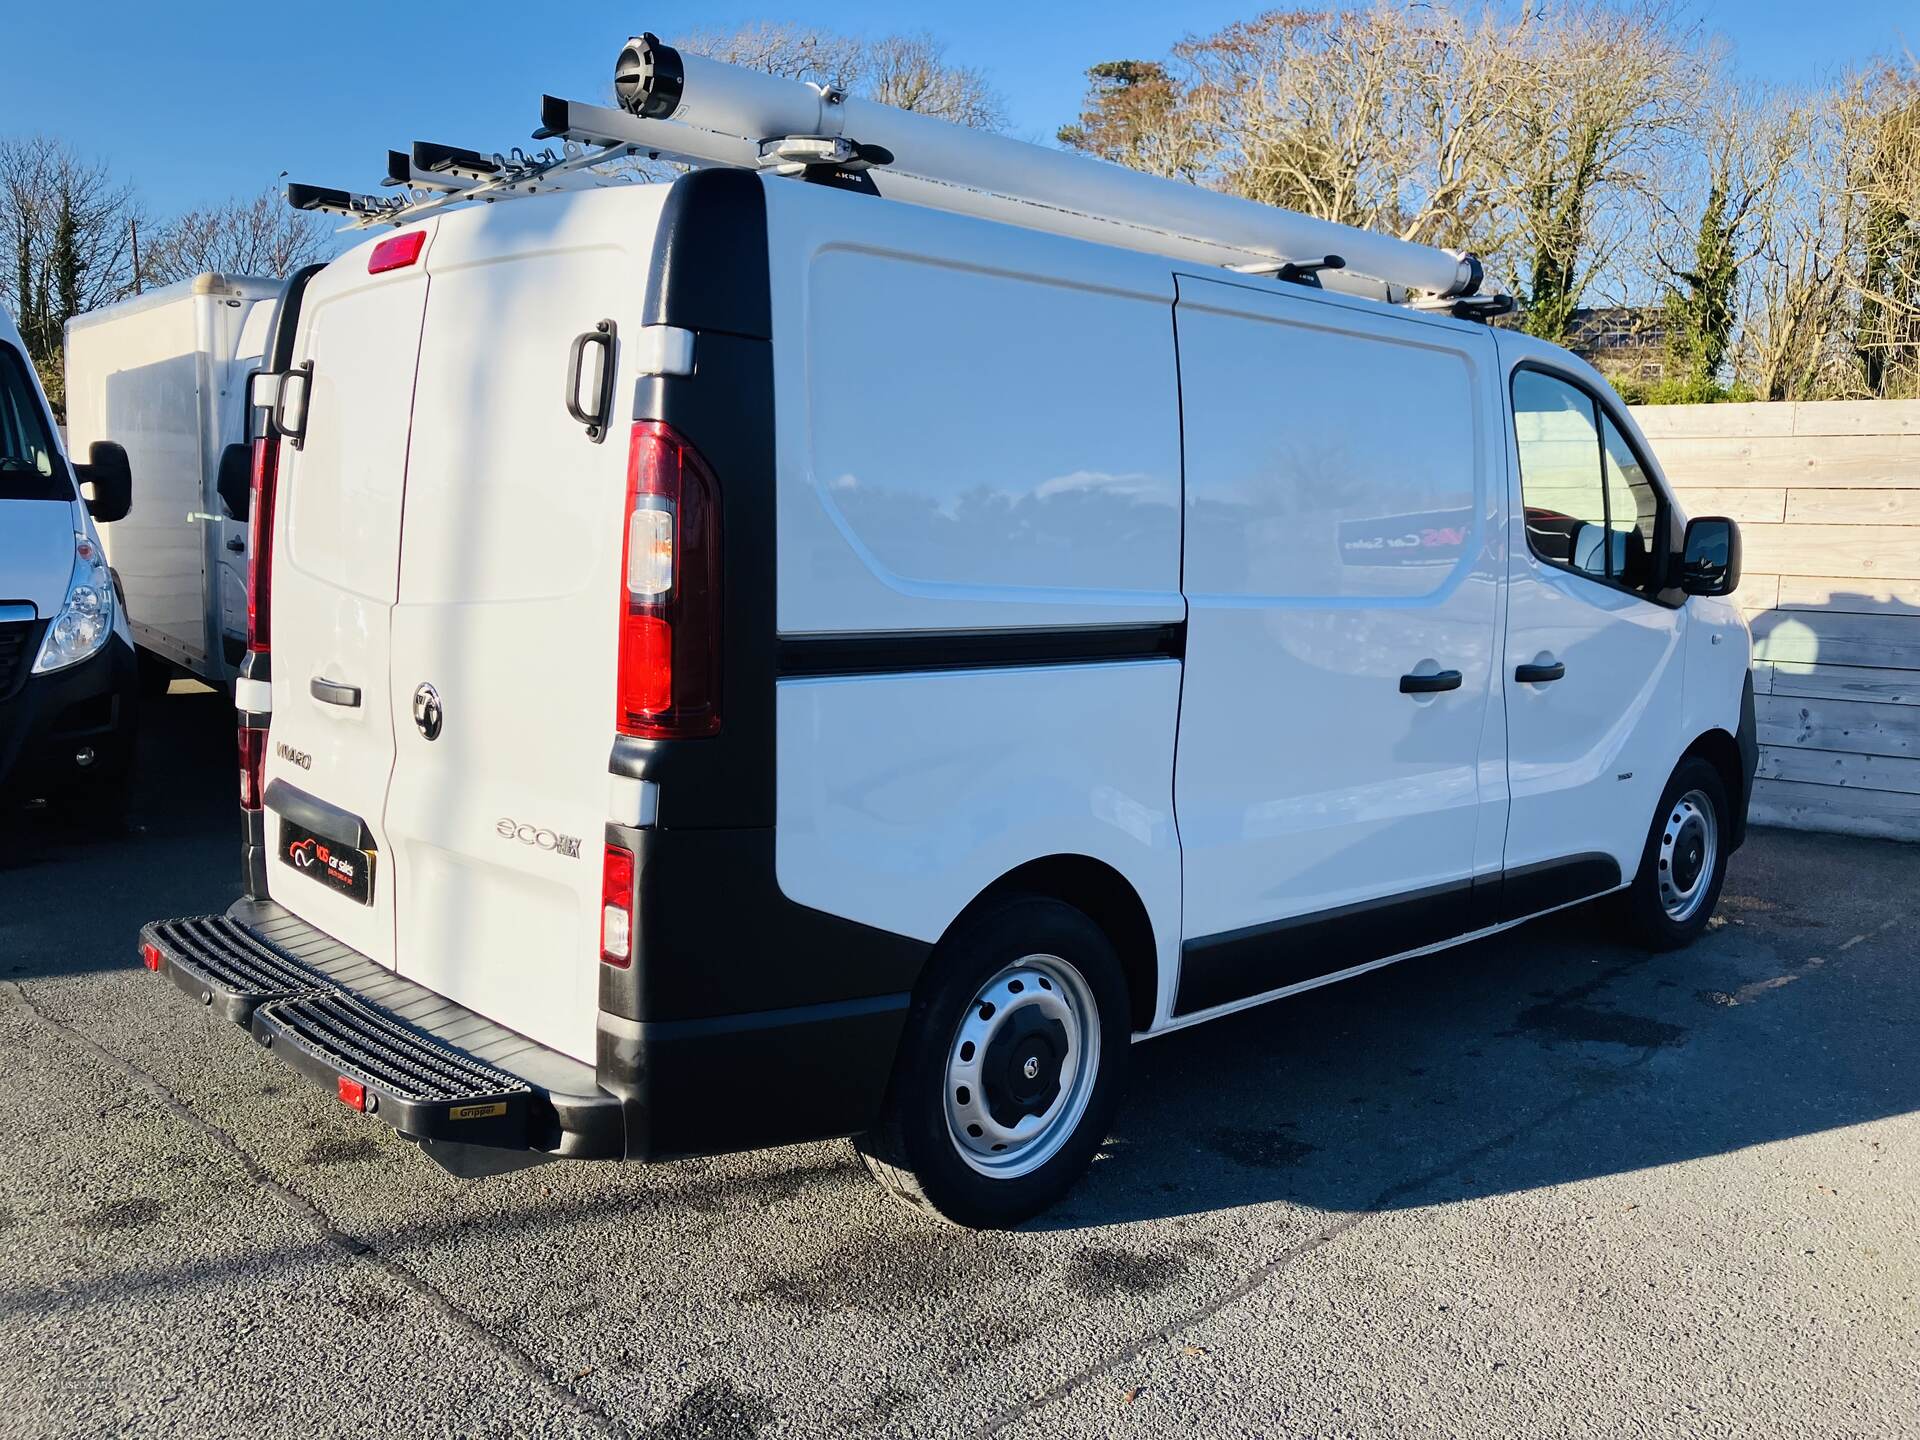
(332, 692)
(1539, 674)
(1430, 684)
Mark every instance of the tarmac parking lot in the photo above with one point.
(1541, 1185)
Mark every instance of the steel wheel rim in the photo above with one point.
(1029, 995)
(1689, 849)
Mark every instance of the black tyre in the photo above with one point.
(1009, 1069)
(1685, 860)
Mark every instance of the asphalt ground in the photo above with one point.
(1540, 1185)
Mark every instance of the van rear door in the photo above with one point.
(336, 564)
(508, 610)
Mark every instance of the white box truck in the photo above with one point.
(768, 657)
(164, 375)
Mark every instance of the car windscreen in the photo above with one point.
(30, 466)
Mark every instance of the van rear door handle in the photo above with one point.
(332, 692)
(1539, 674)
(1429, 684)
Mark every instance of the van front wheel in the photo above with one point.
(1009, 1069)
(1685, 860)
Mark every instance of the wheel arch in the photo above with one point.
(1722, 751)
(1107, 898)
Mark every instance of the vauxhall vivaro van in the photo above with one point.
(745, 660)
(67, 692)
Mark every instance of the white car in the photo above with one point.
(753, 662)
(67, 692)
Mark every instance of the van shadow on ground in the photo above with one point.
(1550, 1054)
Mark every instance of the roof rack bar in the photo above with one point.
(725, 114)
(341, 202)
(601, 125)
(451, 162)
(401, 170)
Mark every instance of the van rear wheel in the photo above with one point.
(1685, 860)
(1009, 1069)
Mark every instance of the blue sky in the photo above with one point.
(198, 102)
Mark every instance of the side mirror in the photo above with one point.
(1710, 561)
(111, 477)
(235, 480)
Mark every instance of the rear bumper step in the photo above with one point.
(434, 1070)
(374, 1063)
(225, 966)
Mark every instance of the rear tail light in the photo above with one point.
(253, 758)
(150, 955)
(266, 469)
(616, 907)
(669, 681)
(352, 1093)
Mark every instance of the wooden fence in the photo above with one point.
(1828, 499)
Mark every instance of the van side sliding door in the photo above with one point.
(1340, 781)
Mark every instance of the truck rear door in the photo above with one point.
(336, 568)
(508, 611)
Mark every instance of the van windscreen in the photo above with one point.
(30, 467)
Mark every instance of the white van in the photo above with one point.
(753, 662)
(68, 698)
(164, 375)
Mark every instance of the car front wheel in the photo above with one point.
(1685, 860)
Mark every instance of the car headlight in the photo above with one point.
(86, 619)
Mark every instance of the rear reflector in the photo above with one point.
(669, 677)
(616, 907)
(396, 252)
(353, 1093)
(266, 470)
(253, 759)
(150, 955)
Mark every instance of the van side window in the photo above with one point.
(1591, 506)
(1633, 512)
(1560, 477)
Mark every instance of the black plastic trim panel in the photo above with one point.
(1533, 889)
(714, 936)
(700, 1087)
(1748, 739)
(1240, 964)
(314, 814)
(1218, 969)
(708, 271)
(904, 653)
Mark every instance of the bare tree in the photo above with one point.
(1717, 212)
(1878, 114)
(793, 52)
(1379, 117)
(1594, 101)
(909, 71)
(912, 73)
(68, 228)
(261, 236)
